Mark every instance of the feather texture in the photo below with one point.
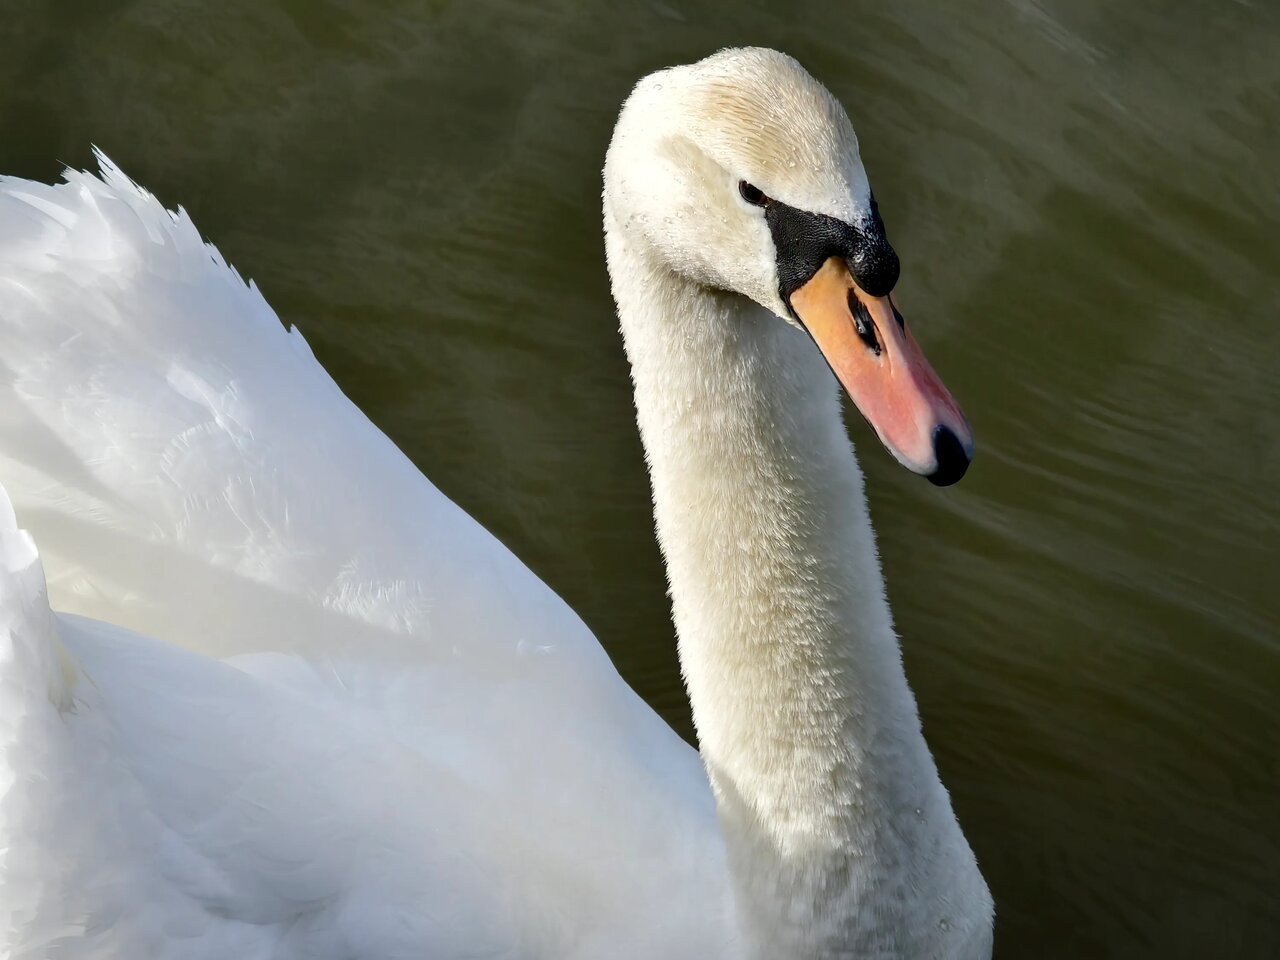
(369, 731)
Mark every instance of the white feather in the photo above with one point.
(412, 745)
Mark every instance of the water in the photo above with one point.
(1084, 196)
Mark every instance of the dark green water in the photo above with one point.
(1086, 199)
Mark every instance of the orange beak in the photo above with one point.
(879, 363)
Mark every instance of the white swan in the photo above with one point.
(369, 731)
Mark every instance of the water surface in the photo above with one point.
(1085, 199)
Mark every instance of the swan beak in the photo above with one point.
(877, 360)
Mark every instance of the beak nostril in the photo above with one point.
(863, 323)
(952, 460)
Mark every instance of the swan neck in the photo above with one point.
(838, 831)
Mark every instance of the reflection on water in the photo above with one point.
(1084, 196)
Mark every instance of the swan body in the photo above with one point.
(364, 703)
(363, 728)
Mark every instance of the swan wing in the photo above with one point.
(191, 472)
(368, 723)
(155, 802)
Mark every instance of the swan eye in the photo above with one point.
(752, 194)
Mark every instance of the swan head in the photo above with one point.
(741, 173)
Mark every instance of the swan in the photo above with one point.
(295, 703)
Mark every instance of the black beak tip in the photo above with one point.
(951, 456)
